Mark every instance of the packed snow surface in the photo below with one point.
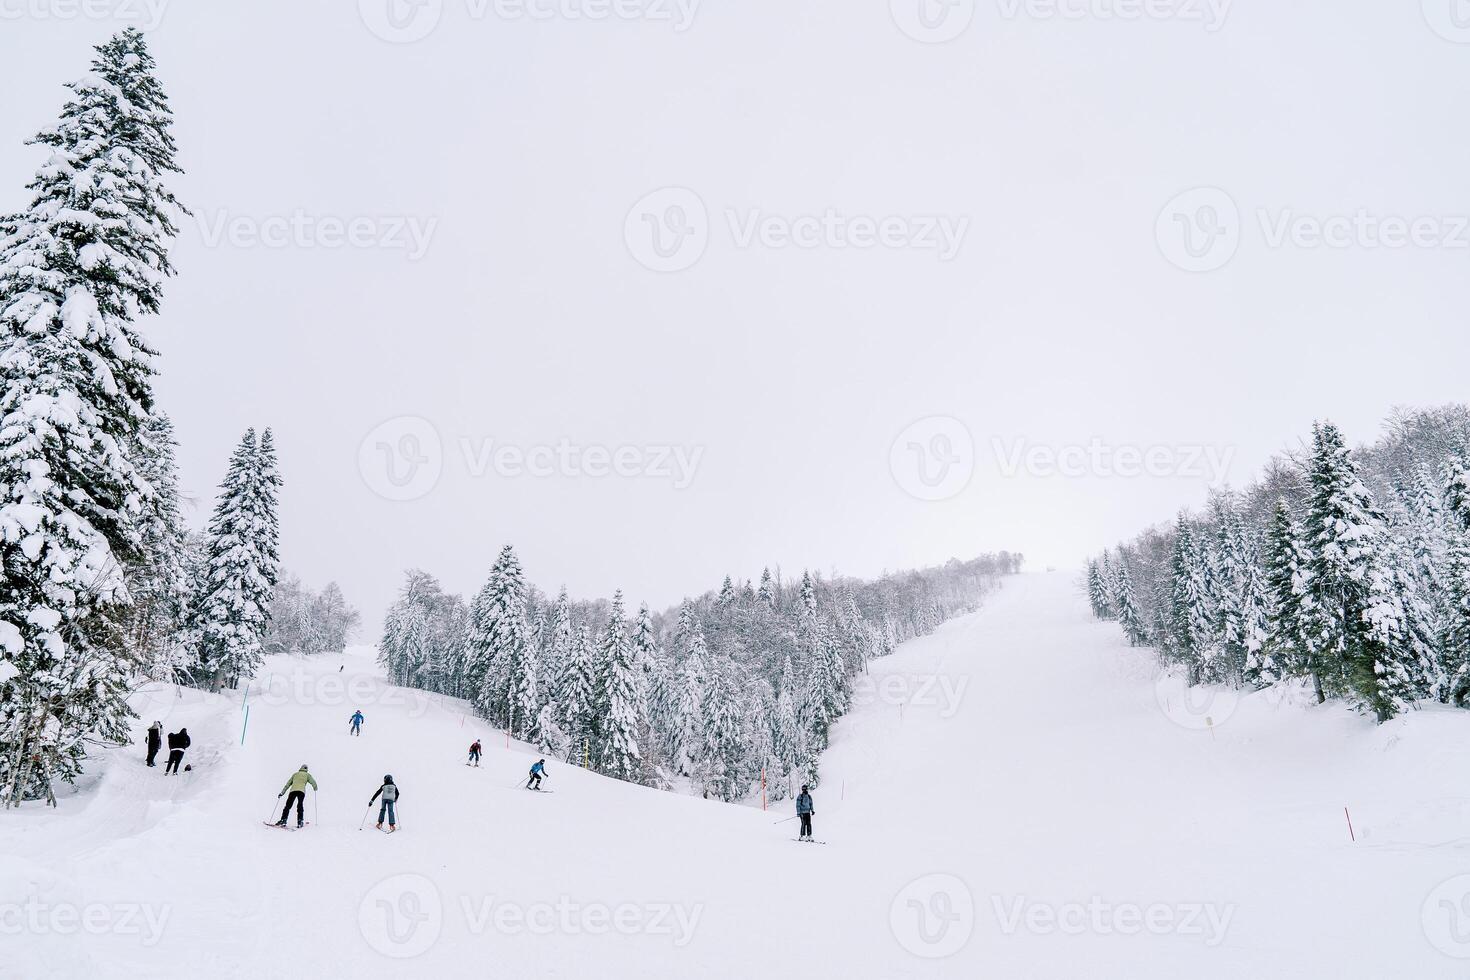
(1017, 795)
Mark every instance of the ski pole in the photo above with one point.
(365, 816)
(787, 820)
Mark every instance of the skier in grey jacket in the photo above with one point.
(389, 792)
(804, 810)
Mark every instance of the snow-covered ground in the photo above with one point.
(1017, 795)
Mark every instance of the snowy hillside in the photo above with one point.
(1013, 796)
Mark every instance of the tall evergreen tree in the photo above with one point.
(498, 639)
(620, 716)
(231, 598)
(77, 268)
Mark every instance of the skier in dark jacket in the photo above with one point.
(390, 794)
(804, 810)
(155, 741)
(177, 742)
(357, 719)
(537, 771)
(475, 752)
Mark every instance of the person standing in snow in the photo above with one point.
(537, 771)
(475, 753)
(155, 742)
(390, 795)
(177, 742)
(296, 786)
(804, 810)
(357, 719)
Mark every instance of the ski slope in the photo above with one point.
(1017, 795)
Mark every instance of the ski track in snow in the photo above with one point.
(1056, 779)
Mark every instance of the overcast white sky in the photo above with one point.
(1049, 143)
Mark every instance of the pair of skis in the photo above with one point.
(282, 826)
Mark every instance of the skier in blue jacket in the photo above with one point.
(537, 771)
(357, 719)
(804, 810)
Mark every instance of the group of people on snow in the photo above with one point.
(177, 742)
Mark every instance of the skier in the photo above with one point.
(804, 810)
(357, 719)
(177, 742)
(390, 795)
(300, 779)
(475, 753)
(155, 741)
(537, 771)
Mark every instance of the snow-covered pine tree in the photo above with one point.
(685, 731)
(723, 738)
(727, 592)
(231, 597)
(619, 706)
(767, 591)
(1192, 635)
(498, 636)
(1360, 619)
(1096, 593)
(157, 576)
(76, 269)
(1126, 603)
(576, 695)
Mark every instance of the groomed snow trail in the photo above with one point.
(1014, 796)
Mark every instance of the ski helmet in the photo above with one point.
(387, 779)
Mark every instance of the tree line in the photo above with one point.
(1346, 569)
(742, 682)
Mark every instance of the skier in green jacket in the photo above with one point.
(296, 786)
